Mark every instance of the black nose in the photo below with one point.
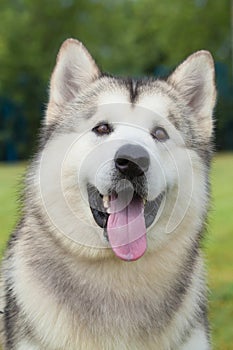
(132, 160)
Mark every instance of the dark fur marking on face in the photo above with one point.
(174, 121)
(133, 90)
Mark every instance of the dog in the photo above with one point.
(106, 254)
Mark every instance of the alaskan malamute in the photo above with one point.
(106, 255)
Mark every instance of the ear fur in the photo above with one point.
(74, 70)
(194, 79)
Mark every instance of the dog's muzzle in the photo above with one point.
(124, 212)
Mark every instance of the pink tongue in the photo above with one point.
(127, 230)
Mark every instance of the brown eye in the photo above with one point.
(160, 134)
(102, 129)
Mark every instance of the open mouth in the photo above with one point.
(124, 216)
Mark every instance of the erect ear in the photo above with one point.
(195, 80)
(74, 70)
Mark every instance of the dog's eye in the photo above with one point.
(102, 129)
(160, 134)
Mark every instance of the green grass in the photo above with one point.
(218, 247)
(10, 178)
(219, 253)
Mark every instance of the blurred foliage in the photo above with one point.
(130, 37)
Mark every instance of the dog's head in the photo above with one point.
(125, 161)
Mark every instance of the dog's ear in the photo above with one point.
(195, 81)
(74, 70)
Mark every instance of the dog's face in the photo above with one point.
(126, 162)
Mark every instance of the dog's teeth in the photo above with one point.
(106, 201)
(144, 201)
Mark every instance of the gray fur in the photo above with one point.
(90, 298)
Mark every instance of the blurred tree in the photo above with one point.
(126, 36)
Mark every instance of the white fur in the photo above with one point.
(194, 79)
(75, 69)
(197, 341)
(74, 155)
(58, 185)
(26, 345)
(57, 329)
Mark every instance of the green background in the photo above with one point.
(125, 37)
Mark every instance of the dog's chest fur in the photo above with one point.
(110, 305)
